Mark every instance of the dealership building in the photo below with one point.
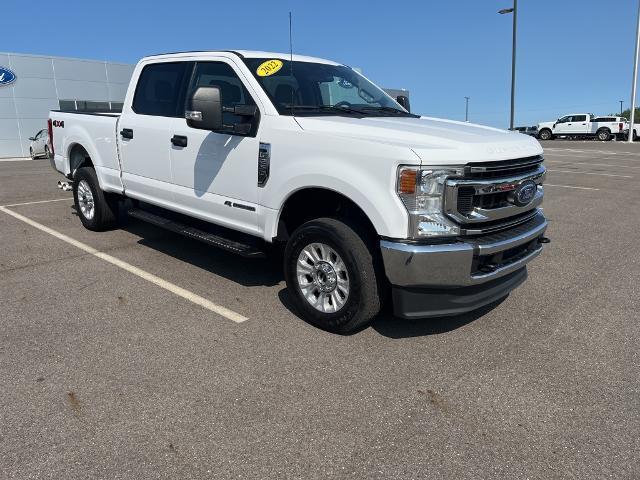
(42, 83)
(35, 84)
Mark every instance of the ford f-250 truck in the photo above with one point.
(583, 125)
(244, 150)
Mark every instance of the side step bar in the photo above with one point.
(229, 245)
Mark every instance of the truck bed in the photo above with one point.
(97, 132)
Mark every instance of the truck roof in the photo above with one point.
(246, 54)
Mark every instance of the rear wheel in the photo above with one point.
(603, 135)
(545, 134)
(97, 210)
(46, 152)
(31, 154)
(331, 275)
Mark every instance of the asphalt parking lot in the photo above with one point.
(106, 373)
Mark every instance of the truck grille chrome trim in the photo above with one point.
(483, 198)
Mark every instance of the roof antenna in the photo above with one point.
(291, 61)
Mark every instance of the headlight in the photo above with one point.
(422, 192)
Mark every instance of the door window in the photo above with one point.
(160, 89)
(232, 90)
(579, 118)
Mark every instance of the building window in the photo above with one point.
(90, 106)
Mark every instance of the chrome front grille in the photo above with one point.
(482, 200)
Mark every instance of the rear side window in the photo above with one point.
(160, 89)
(579, 118)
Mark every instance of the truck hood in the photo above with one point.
(435, 141)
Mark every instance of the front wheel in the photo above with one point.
(331, 275)
(545, 134)
(97, 210)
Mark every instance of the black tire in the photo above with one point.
(545, 134)
(363, 300)
(31, 153)
(603, 135)
(46, 152)
(105, 205)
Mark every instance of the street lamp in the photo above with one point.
(635, 79)
(504, 11)
(621, 102)
(466, 109)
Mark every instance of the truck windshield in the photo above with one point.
(321, 89)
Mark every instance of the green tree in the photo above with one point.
(627, 114)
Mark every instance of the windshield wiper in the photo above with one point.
(326, 108)
(391, 110)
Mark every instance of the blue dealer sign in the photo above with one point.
(6, 76)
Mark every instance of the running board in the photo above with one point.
(242, 249)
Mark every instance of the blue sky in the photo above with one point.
(573, 55)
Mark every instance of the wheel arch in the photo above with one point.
(308, 203)
(78, 157)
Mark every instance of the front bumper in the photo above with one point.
(462, 276)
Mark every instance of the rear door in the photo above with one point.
(145, 129)
(215, 174)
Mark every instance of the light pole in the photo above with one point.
(635, 78)
(466, 109)
(621, 102)
(504, 11)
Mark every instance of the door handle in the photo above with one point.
(179, 140)
(126, 133)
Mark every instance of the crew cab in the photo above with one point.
(251, 151)
(583, 125)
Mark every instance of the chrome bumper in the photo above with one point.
(455, 264)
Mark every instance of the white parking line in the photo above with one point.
(607, 152)
(591, 173)
(564, 162)
(570, 186)
(39, 201)
(181, 292)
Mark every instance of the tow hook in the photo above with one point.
(544, 240)
(488, 268)
(65, 186)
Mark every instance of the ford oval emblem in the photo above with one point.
(524, 194)
(7, 77)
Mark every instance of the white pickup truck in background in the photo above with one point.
(584, 125)
(246, 150)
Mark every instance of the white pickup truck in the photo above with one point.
(246, 150)
(583, 125)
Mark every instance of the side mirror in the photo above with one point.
(204, 109)
(403, 100)
(32, 138)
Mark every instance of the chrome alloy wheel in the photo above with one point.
(322, 277)
(85, 200)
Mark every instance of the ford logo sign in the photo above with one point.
(524, 194)
(7, 77)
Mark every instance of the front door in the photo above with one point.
(215, 174)
(145, 129)
(563, 125)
